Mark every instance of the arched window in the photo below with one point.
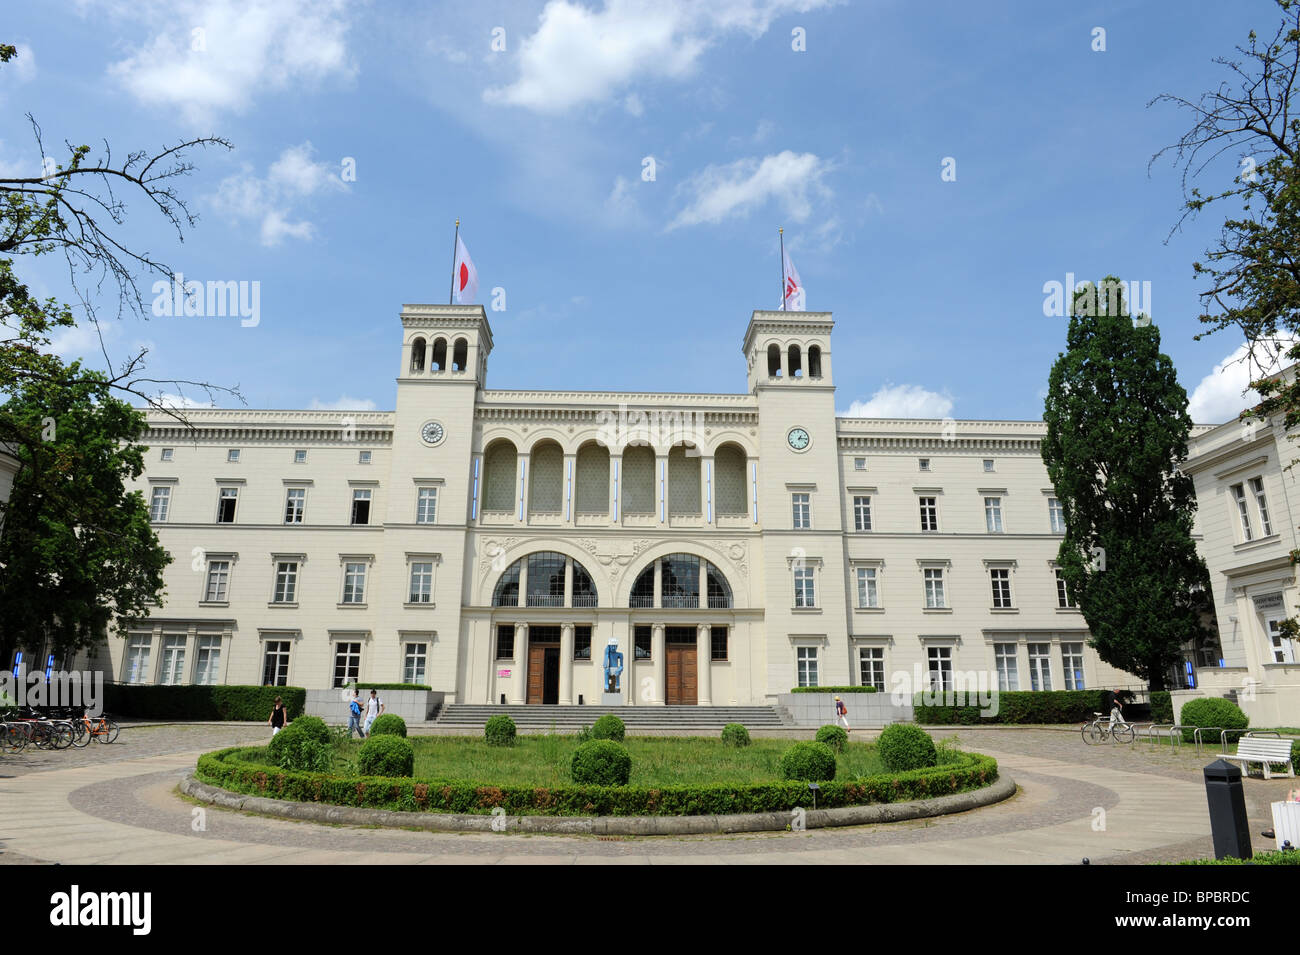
(439, 354)
(592, 493)
(499, 466)
(584, 588)
(680, 580)
(546, 579)
(417, 356)
(796, 367)
(774, 360)
(545, 586)
(546, 479)
(719, 589)
(506, 593)
(643, 591)
(814, 361)
(729, 480)
(680, 584)
(460, 355)
(638, 480)
(684, 481)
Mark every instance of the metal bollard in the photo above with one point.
(1227, 802)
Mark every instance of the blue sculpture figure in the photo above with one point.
(613, 667)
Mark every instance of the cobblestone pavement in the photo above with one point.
(1112, 804)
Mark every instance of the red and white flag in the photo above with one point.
(794, 294)
(464, 282)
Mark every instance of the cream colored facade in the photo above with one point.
(792, 517)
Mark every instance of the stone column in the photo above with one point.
(659, 584)
(523, 583)
(615, 502)
(661, 487)
(522, 477)
(476, 493)
(566, 664)
(703, 584)
(570, 477)
(659, 656)
(568, 581)
(519, 678)
(703, 653)
(708, 491)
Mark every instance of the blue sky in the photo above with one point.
(612, 280)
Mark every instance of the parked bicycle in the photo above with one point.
(1102, 730)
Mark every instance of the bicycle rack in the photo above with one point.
(1176, 734)
(1196, 737)
(1154, 730)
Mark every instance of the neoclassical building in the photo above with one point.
(493, 543)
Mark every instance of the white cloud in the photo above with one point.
(901, 401)
(580, 56)
(343, 403)
(295, 175)
(217, 55)
(735, 189)
(22, 68)
(1225, 392)
(82, 341)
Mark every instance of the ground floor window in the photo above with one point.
(1004, 654)
(1040, 666)
(347, 663)
(582, 642)
(940, 668)
(641, 642)
(506, 641)
(871, 667)
(1283, 646)
(137, 657)
(806, 658)
(275, 669)
(1072, 657)
(208, 664)
(173, 659)
(413, 663)
(718, 643)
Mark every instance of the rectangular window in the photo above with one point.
(286, 582)
(923, 464)
(718, 643)
(1239, 495)
(173, 659)
(1055, 515)
(859, 464)
(421, 582)
(354, 583)
(361, 506)
(993, 514)
(868, 595)
(275, 665)
(506, 641)
(934, 595)
(1072, 658)
(805, 594)
(232, 456)
(413, 663)
(363, 457)
(929, 514)
(300, 457)
(295, 503)
(1004, 654)
(347, 663)
(641, 637)
(1261, 503)
(207, 668)
(806, 658)
(862, 513)
(137, 657)
(582, 642)
(988, 464)
(1000, 578)
(426, 506)
(1282, 645)
(1063, 598)
(940, 659)
(159, 502)
(1040, 666)
(167, 454)
(226, 500)
(218, 581)
(802, 511)
(871, 667)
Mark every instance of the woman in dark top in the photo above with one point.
(276, 719)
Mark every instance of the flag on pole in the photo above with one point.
(794, 292)
(464, 280)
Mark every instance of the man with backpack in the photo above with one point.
(374, 709)
(354, 715)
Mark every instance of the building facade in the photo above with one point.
(495, 544)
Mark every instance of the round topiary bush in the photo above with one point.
(390, 724)
(904, 746)
(500, 730)
(814, 762)
(313, 726)
(833, 736)
(386, 756)
(608, 726)
(1212, 711)
(734, 734)
(300, 747)
(601, 762)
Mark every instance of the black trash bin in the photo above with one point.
(1227, 801)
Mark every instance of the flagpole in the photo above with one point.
(451, 291)
(781, 232)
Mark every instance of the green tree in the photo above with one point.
(1117, 428)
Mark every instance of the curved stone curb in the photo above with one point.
(1002, 788)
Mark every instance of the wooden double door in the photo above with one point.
(681, 669)
(543, 664)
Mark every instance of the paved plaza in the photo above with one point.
(1112, 804)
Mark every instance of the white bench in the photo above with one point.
(1265, 750)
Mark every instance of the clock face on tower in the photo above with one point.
(432, 432)
(798, 438)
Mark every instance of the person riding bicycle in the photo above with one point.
(1111, 703)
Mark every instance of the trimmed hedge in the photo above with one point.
(303, 744)
(1162, 707)
(386, 756)
(812, 762)
(390, 724)
(904, 746)
(246, 703)
(834, 689)
(500, 730)
(367, 687)
(230, 769)
(609, 726)
(1212, 711)
(1259, 858)
(735, 734)
(1015, 706)
(601, 762)
(833, 736)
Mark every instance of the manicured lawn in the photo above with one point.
(656, 760)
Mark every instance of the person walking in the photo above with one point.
(354, 715)
(374, 709)
(277, 718)
(842, 712)
(1112, 703)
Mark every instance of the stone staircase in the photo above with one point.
(539, 718)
